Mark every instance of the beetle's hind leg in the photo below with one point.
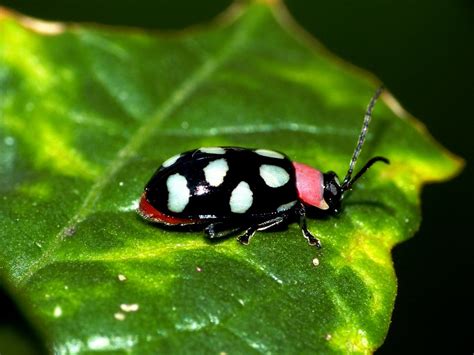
(249, 232)
(219, 230)
(312, 240)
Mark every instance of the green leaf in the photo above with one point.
(88, 113)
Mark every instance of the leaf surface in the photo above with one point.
(88, 113)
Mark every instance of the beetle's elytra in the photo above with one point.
(232, 190)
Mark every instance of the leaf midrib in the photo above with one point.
(141, 135)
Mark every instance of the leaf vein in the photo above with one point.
(259, 128)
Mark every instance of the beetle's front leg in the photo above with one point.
(312, 240)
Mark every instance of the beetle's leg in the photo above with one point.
(249, 233)
(221, 230)
(312, 240)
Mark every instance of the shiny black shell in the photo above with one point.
(207, 202)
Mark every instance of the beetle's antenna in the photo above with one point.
(365, 126)
(363, 170)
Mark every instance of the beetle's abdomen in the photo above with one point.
(219, 183)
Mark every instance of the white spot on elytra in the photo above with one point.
(212, 150)
(215, 172)
(178, 192)
(129, 307)
(170, 161)
(274, 176)
(269, 153)
(241, 198)
(58, 312)
(286, 206)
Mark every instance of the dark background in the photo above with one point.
(424, 53)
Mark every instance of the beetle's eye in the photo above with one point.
(333, 189)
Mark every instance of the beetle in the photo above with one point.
(233, 190)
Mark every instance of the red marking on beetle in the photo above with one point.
(150, 213)
(310, 185)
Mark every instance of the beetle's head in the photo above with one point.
(333, 192)
(324, 191)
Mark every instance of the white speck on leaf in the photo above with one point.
(274, 277)
(69, 231)
(9, 140)
(129, 307)
(98, 342)
(121, 277)
(119, 316)
(58, 312)
(214, 319)
(111, 343)
(189, 324)
(132, 206)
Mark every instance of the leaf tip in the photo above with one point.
(451, 164)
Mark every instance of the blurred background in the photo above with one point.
(423, 51)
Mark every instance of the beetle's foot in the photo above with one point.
(214, 231)
(210, 231)
(245, 237)
(312, 240)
